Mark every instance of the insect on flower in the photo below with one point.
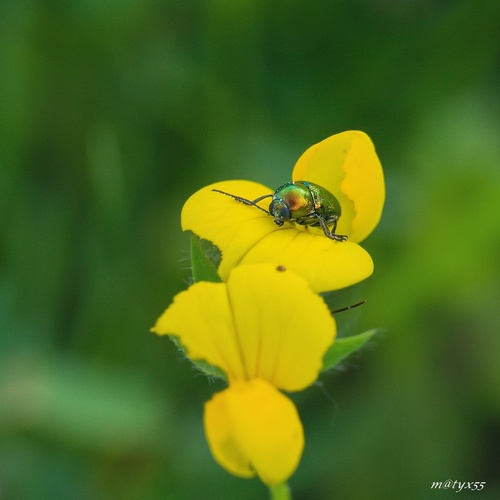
(303, 202)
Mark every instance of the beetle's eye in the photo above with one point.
(285, 212)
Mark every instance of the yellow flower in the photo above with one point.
(252, 427)
(347, 166)
(267, 330)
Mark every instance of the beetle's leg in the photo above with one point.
(346, 308)
(247, 202)
(261, 198)
(330, 233)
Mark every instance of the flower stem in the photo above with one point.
(280, 492)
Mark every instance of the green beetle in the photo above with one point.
(302, 202)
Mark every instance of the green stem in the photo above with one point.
(280, 492)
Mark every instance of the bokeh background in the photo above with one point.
(112, 113)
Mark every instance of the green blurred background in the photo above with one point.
(113, 112)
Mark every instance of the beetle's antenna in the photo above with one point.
(348, 307)
(245, 201)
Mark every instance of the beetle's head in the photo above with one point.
(280, 211)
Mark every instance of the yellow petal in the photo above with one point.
(347, 165)
(325, 264)
(283, 327)
(202, 320)
(253, 429)
(251, 327)
(245, 234)
(233, 227)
